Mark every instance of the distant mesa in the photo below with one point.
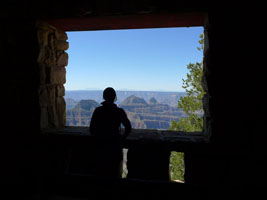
(134, 100)
(88, 105)
(81, 114)
(153, 101)
(145, 110)
(70, 103)
(170, 98)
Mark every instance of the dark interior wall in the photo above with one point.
(234, 155)
(235, 152)
(20, 107)
(20, 73)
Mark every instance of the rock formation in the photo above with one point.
(142, 115)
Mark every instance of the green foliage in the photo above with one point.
(201, 42)
(193, 123)
(177, 166)
(191, 104)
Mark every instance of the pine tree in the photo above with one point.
(191, 104)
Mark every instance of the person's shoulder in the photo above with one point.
(99, 108)
(121, 110)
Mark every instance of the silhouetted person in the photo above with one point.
(105, 127)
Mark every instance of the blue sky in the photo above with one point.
(141, 59)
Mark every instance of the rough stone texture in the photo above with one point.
(174, 140)
(53, 117)
(52, 60)
(61, 110)
(61, 35)
(57, 75)
(60, 91)
(148, 150)
(206, 76)
(43, 96)
(61, 45)
(44, 119)
(43, 37)
(47, 56)
(62, 59)
(42, 74)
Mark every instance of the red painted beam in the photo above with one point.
(130, 22)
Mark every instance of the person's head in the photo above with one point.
(109, 94)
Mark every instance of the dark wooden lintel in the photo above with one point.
(137, 21)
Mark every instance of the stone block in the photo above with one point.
(61, 110)
(42, 73)
(206, 105)
(51, 93)
(43, 97)
(61, 45)
(61, 35)
(42, 36)
(44, 123)
(53, 109)
(51, 59)
(42, 55)
(62, 59)
(53, 117)
(57, 75)
(51, 41)
(46, 37)
(47, 56)
(60, 90)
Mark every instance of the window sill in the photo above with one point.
(173, 140)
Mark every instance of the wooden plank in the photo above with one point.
(165, 20)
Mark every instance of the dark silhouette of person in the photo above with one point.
(105, 127)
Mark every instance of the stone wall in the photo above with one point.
(52, 61)
(207, 64)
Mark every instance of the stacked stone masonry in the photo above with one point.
(205, 82)
(52, 61)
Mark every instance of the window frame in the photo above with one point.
(148, 21)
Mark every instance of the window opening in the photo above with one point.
(145, 67)
(150, 69)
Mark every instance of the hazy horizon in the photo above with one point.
(170, 98)
(126, 90)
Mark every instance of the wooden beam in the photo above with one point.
(130, 21)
